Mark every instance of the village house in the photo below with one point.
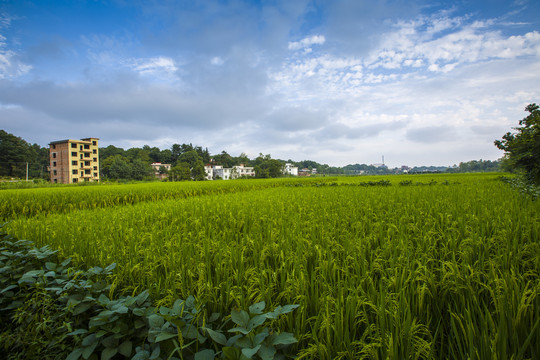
(214, 172)
(289, 169)
(157, 168)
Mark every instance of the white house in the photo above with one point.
(290, 169)
(215, 171)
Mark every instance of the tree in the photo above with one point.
(116, 167)
(140, 169)
(197, 172)
(191, 157)
(522, 149)
(180, 172)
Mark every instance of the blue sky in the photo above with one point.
(338, 82)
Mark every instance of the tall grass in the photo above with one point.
(440, 271)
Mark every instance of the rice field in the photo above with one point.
(403, 267)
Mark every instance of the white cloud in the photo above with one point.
(10, 65)
(154, 66)
(442, 44)
(305, 43)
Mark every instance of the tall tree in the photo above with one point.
(522, 148)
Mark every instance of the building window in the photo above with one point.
(87, 147)
(73, 146)
(87, 172)
(94, 151)
(74, 154)
(87, 163)
(95, 175)
(95, 159)
(94, 143)
(87, 155)
(74, 180)
(81, 156)
(82, 173)
(54, 155)
(53, 146)
(74, 172)
(54, 163)
(95, 167)
(54, 172)
(74, 162)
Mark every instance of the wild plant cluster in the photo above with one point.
(50, 310)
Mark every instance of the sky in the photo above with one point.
(338, 82)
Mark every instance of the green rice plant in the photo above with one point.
(450, 270)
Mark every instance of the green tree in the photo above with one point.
(522, 149)
(180, 172)
(191, 157)
(16, 152)
(197, 171)
(116, 167)
(140, 169)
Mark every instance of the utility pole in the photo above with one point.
(26, 171)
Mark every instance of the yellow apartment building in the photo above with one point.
(74, 161)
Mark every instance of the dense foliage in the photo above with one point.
(15, 154)
(433, 266)
(49, 310)
(523, 147)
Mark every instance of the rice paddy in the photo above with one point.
(404, 267)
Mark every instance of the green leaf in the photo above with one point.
(217, 336)
(141, 298)
(125, 348)
(256, 321)
(205, 355)
(284, 338)
(257, 308)
(75, 354)
(165, 336)
(138, 312)
(231, 353)
(155, 353)
(78, 332)
(50, 266)
(89, 350)
(232, 341)
(259, 338)
(89, 340)
(79, 309)
(280, 310)
(190, 332)
(240, 317)
(108, 353)
(250, 352)
(240, 330)
(155, 321)
(103, 299)
(267, 352)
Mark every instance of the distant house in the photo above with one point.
(304, 172)
(214, 172)
(289, 169)
(157, 167)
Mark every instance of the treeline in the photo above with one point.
(16, 154)
(188, 161)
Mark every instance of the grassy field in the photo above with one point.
(429, 266)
